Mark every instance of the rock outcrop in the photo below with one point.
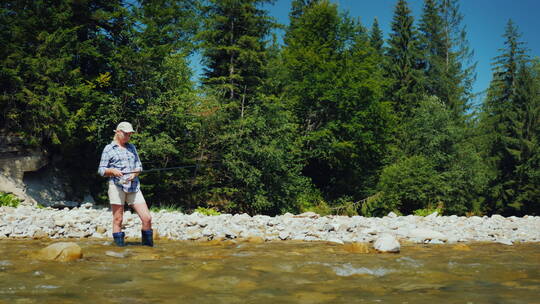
(15, 160)
(28, 174)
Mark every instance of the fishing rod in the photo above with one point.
(169, 168)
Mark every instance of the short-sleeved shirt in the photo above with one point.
(124, 159)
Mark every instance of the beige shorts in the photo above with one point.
(117, 196)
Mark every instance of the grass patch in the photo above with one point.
(427, 211)
(9, 200)
(168, 208)
(207, 211)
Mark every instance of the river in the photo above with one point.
(271, 272)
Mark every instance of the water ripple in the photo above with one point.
(349, 270)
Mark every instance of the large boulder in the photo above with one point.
(62, 252)
(423, 234)
(387, 243)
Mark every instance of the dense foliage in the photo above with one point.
(332, 118)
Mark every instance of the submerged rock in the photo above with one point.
(40, 234)
(461, 247)
(255, 239)
(356, 248)
(146, 257)
(62, 252)
(115, 254)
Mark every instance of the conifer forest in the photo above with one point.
(323, 114)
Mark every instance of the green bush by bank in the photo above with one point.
(9, 200)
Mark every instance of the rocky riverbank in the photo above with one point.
(88, 221)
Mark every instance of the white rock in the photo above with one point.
(436, 241)
(307, 215)
(392, 215)
(371, 231)
(335, 241)
(426, 234)
(97, 235)
(387, 243)
(504, 241)
(86, 205)
(432, 215)
(283, 235)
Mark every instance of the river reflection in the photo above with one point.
(272, 272)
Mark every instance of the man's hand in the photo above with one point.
(134, 174)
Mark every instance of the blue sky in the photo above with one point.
(485, 22)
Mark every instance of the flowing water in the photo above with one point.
(273, 272)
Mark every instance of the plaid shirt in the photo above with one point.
(125, 160)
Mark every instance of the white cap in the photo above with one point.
(125, 126)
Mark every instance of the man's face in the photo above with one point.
(124, 136)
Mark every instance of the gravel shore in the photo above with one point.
(88, 221)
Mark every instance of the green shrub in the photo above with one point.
(410, 184)
(321, 208)
(169, 208)
(374, 205)
(345, 206)
(312, 201)
(427, 211)
(207, 211)
(9, 200)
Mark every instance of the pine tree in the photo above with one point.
(298, 7)
(234, 49)
(74, 69)
(53, 64)
(335, 91)
(153, 86)
(501, 122)
(458, 59)
(376, 37)
(438, 165)
(434, 51)
(433, 144)
(250, 133)
(526, 130)
(404, 67)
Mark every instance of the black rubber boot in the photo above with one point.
(119, 239)
(147, 238)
